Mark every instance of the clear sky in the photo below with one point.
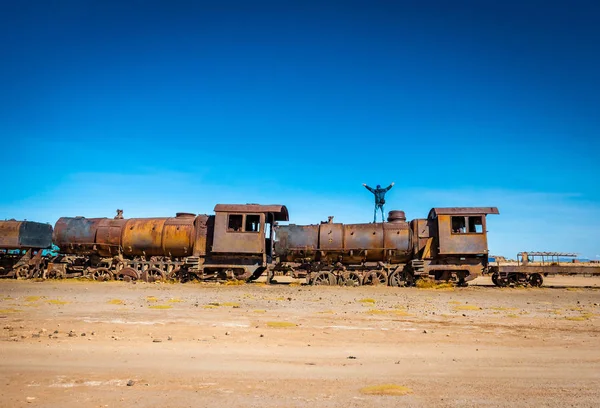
(164, 106)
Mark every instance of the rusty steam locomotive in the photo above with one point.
(242, 242)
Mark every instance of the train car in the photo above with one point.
(235, 243)
(530, 268)
(21, 248)
(451, 244)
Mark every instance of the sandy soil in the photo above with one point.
(78, 344)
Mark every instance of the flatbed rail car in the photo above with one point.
(526, 270)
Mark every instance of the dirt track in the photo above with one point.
(198, 345)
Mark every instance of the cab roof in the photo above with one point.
(279, 212)
(462, 211)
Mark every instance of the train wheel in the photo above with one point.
(349, 279)
(396, 280)
(536, 280)
(323, 278)
(175, 274)
(22, 272)
(128, 274)
(376, 278)
(153, 275)
(101, 274)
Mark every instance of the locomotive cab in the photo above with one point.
(451, 243)
(461, 231)
(246, 228)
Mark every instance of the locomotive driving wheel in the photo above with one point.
(153, 275)
(323, 278)
(378, 277)
(127, 274)
(101, 274)
(396, 279)
(22, 272)
(349, 279)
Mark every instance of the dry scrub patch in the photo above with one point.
(431, 284)
(115, 302)
(58, 302)
(467, 307)
(386, 389)
(160, 307)
(281, 324)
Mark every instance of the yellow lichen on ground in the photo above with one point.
(260, 311)
(502, 308)
(512, 315)
(366, 301)
(386, 389)
(230, 304)
(174, 300)
(32, 298)
(281, 324)
(454, 302)
(115, 302)
(151, 299)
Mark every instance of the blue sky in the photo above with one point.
(157, 107)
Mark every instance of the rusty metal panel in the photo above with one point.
(143, 236)
(280, 211)
(331, 237)
(178, 235)
(9, 234)
(201, 234)
(420, 234)
(368, 237)
(108, 236)
(76, 235)
(35, 235)
(460, 244)
(226, 240)
(397, 240)
(295, 239)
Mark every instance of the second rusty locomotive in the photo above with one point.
(450, 244)
(244, 241)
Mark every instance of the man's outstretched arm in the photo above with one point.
(368, 188)
(390, 186)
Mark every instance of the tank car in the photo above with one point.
(451, 244)
(235, 243)
(21, 248)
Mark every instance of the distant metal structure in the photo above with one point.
(546, 257)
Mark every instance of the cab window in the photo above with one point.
(252, 223)
(467, 225)
(458, 225)
(234, 222)
(476, 225)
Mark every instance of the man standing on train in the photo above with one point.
(379, 199)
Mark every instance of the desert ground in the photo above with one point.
(116, 344)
